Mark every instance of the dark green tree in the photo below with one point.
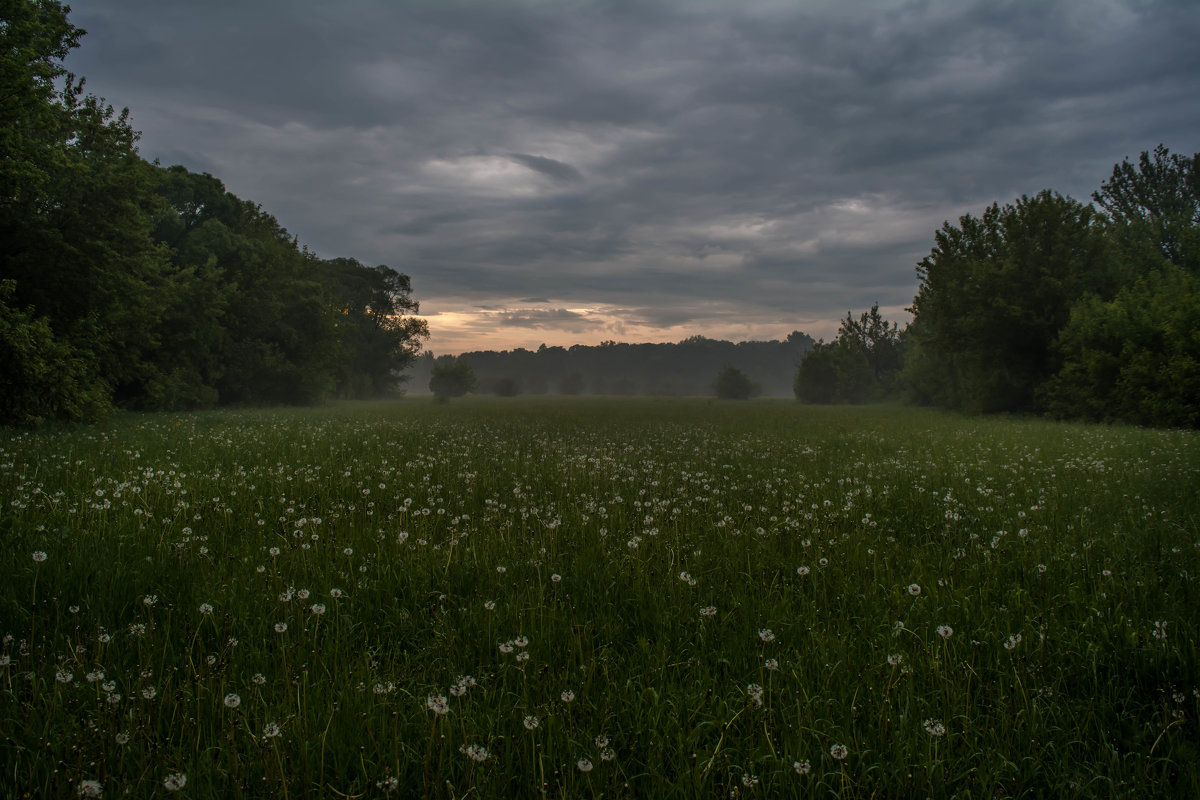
(452, 377)
(994, 293)
(732, 384)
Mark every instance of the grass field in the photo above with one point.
(579, 597)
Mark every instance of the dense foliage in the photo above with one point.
(1047, 305)
(581, 597)
(732, 384)
(861, 365)
(130, 285)
(452, 377)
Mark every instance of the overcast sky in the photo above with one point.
(566, 171)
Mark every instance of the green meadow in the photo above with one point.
(586, 597)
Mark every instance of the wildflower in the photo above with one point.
(802, 767)
(521, 641)
(280, 627)
(335, 593)
(766, 635)
(476, 753)
(898, 628)
(40, 556)
(175, 781)
(109, 687)
(1041, 568)
(489, 605)
(349, 551)
(318, 608)
(771, 664)
(5, 660)
(505, 647)
(274, 551)
(601, 741)
(1012, 641)
(802, 571)
(914, 589)
(523, 656)
(270, 730)
(437, 704)
(232, 700)
(137, 629)
(530, 722)
(556, 577)
(935, 728)
(113, 698)
(94, 677)
(122, 738)
(839, 751)
(149, 693)
(823, 562)
(567, 696)
(62, 676)
(584, 765)
(895, 659)
(302, 594)
(499, 571)
(1160, 630)
(104, 638)
(945, 631)
(259, 679)
(708, 611)
(755, 693)
(607, 754)
(90, 789)
(150, 599)
(206, 608)
(749, 780)
(389, 784)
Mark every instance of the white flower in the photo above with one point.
(149, 693)
(90, 789)
(567, 696)
(274, 551)
(318, 608)
(475, 752)
(839, 752)
(802, 767)
(771, 664)
(505, 647)
(607, 754)
(40, 556)
(755, 693)
(389, 784)
(62, 676)
(584, 765)
(280, 627)
(206, 608)
(150, 599)
(1160, 630)
(232, 700)
(1012, 641)
(556, 577)
(749, 780)
(945, 631)
(500, 571)
(766, 635)
(122, 738)
(895, 659)
(530, 722)
(259, 679)
(521, 641)
(175, 781)
(935, 728)
(802, 571)
(914, 589)
(437, 704)
(523, 656)
(708, 611)
(489, 605)
(302, 594)
(270, 730)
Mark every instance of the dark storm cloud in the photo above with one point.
(674, 162)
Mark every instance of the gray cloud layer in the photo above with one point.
(677, 163)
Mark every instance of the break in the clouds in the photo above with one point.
(573, 172)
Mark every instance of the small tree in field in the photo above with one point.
(732, 384)
(451, 377)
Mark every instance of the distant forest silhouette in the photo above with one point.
(688, 367)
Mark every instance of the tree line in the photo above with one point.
(688, 367)
(127, 285)
(1046, 306)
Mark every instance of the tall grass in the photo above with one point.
(606, 598)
